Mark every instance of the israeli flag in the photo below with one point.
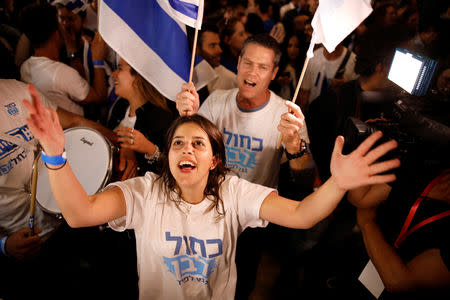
(147, 36)
(189, 12)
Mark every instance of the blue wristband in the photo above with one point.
(98, 63)
(54, 160)
(3, 240)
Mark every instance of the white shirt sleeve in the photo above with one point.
(247, 199)
(136, 192)
(67, 79)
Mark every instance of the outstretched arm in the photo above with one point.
(77, 207)
(359, 168)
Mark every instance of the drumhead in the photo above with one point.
(90, 157)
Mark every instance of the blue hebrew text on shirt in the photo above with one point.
(241, 150)
(11, 154)
(194, 259)
(12, 109)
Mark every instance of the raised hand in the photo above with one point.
(360, 168)
(98, 47)
(44, 124)
(187, 100)
(290, 125)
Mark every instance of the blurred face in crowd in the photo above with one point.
(255, 71)
(236, 41)
(123, 80)
(300, 22)
(293, 48)
(443, 82)
(70, 21)
(210, 48)
(308, 32)
(240, 13)
(391, 16)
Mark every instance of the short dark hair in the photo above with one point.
(216, 175)
(207, 27)
(266, 41)
(39, 23)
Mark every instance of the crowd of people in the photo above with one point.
(202, 187)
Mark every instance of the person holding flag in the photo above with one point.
(246, 115)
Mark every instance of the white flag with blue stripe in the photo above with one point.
(145, 35)
(189, 12)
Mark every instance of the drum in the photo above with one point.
(90, 157)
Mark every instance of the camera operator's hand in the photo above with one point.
(22, 245)
(360, 168)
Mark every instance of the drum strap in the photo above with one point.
(18, 141)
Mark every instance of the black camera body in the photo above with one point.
(418, 124)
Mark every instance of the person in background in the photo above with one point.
(140, 117)
(60, 83)
(232, 36)
(208, 47)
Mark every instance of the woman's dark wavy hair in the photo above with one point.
(216, 176)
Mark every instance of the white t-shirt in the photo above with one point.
(225, 80)
(60, 83)
(250, 137)
(16, 162)
(128, 121)
(320, 69)
(186, 252)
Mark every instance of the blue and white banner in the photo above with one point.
(146, 36)
(189, 12)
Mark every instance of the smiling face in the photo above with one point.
(191, 157)
(123, 80)
(255, 72)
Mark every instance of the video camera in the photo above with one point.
(417, 122)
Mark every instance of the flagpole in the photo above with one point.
(194, 48)
(297, 89)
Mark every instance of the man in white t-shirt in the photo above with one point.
(326, 70)
(248, 117)
(60, 83)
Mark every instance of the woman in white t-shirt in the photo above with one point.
(187, 220)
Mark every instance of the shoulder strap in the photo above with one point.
(341, 70)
